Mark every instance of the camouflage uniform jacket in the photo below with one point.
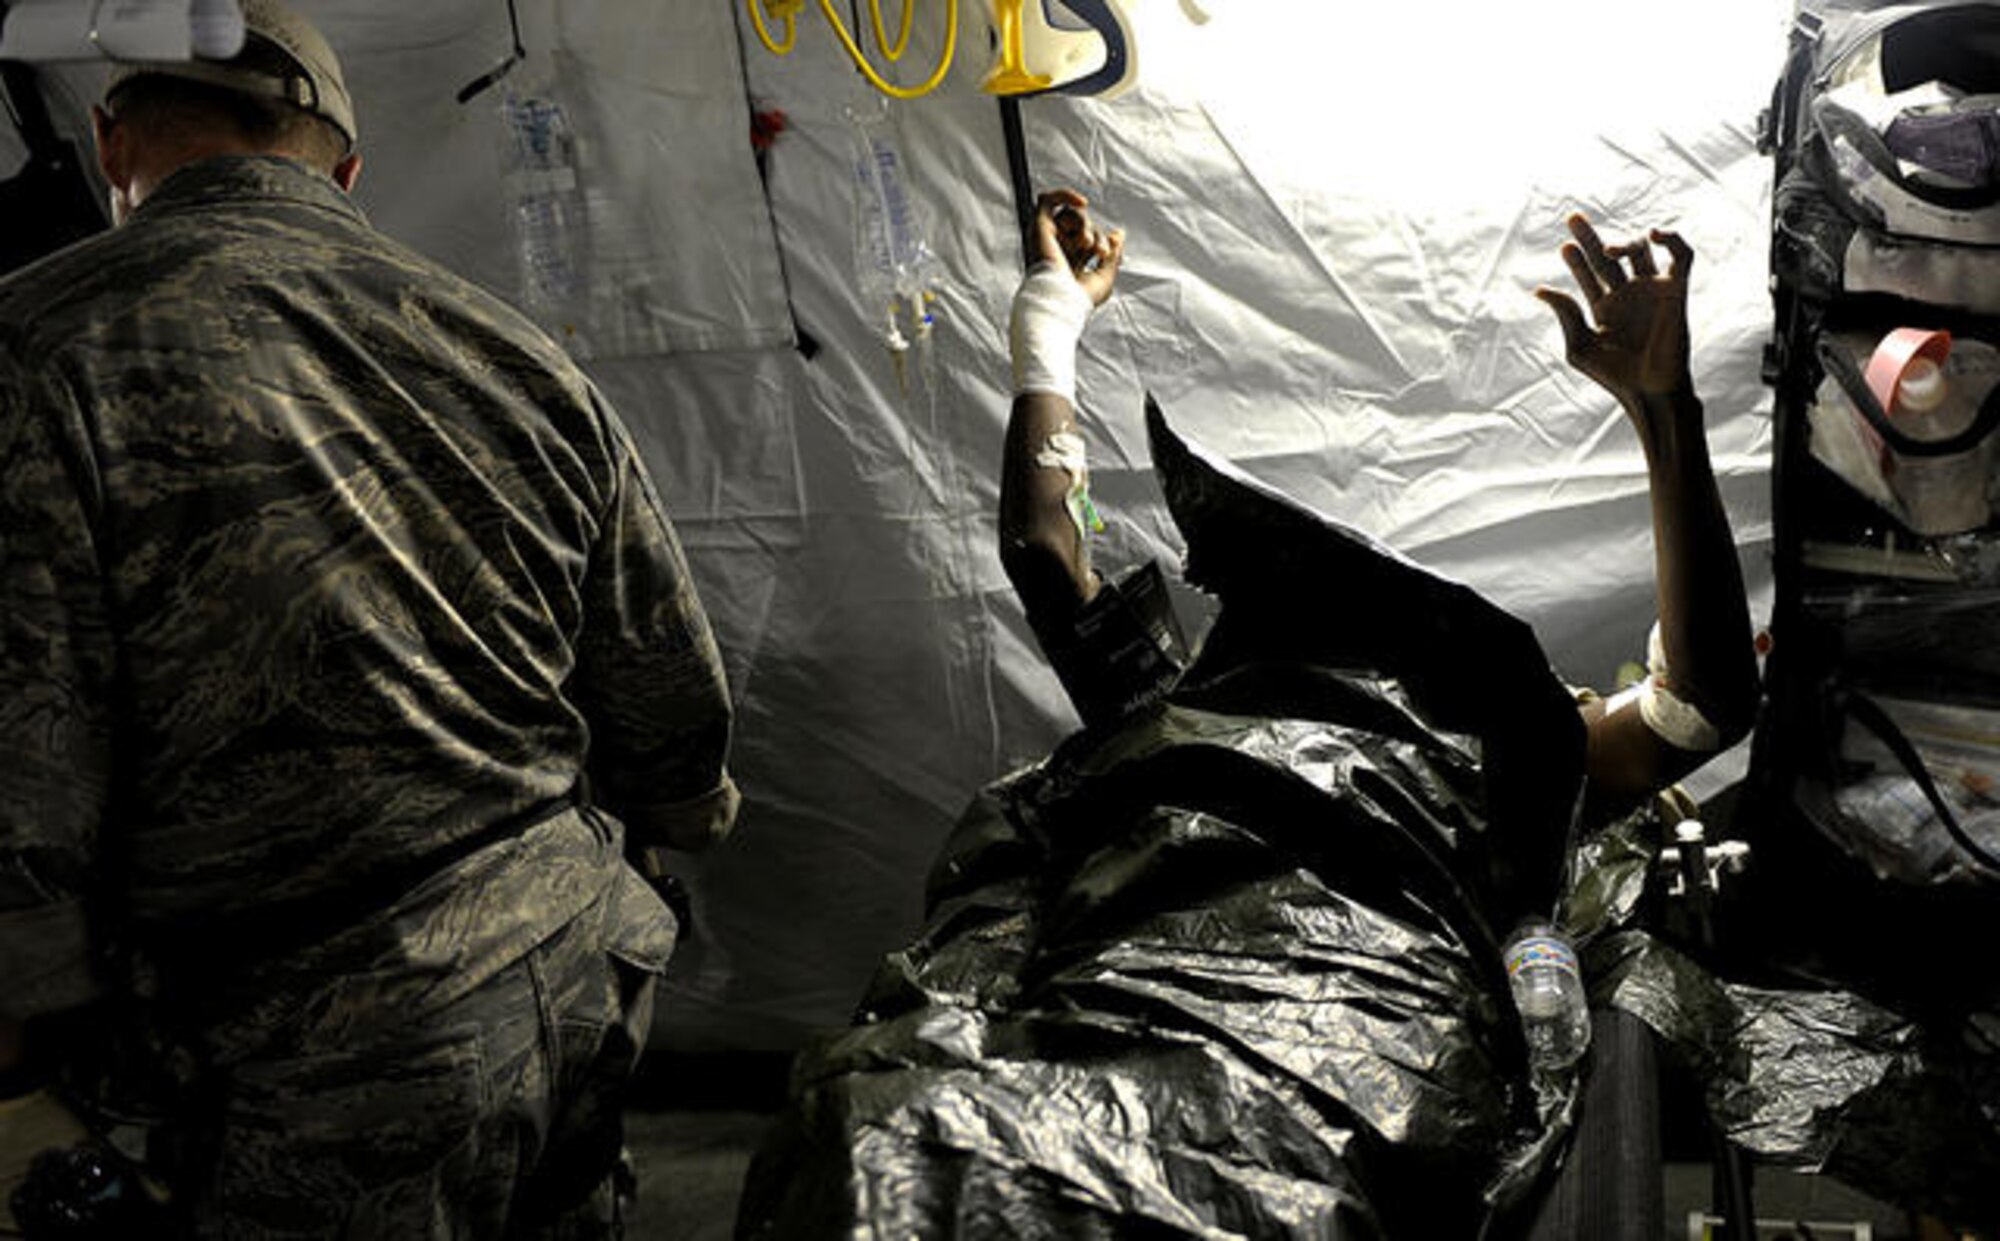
(328, 585)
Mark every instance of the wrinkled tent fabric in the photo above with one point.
(1231, 967)
(888, 667)
(1337, 256)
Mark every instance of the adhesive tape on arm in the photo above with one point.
(1678, 723)
(1050, 309)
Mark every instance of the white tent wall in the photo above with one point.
(1334, 227)
(1335, 217)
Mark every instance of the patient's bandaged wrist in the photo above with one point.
(1050, 309)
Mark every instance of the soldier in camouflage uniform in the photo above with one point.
(342, 639)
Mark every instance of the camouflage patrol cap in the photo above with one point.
(283, 57)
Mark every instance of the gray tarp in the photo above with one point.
(1335, 215)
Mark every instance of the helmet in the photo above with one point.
(283, 57)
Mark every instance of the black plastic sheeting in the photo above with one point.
(1232, 966)
(1812, 1077)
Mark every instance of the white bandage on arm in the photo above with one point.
(1066, 451)
(1050, 309)
(1673, 720)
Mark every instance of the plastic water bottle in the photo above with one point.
(1548, 989)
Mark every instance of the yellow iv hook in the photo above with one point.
(787, 12)
(1011, 76)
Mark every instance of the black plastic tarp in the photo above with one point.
(1230, 967)
(1899, 1100)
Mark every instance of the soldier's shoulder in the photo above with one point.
(39, 297)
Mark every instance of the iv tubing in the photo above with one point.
(788, 12)
(892, 53)
(877, 80)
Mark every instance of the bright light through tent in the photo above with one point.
(1455, 102)
(1339, 214)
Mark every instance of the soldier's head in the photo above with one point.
(283, 94)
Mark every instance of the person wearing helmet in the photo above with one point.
(346, 656)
